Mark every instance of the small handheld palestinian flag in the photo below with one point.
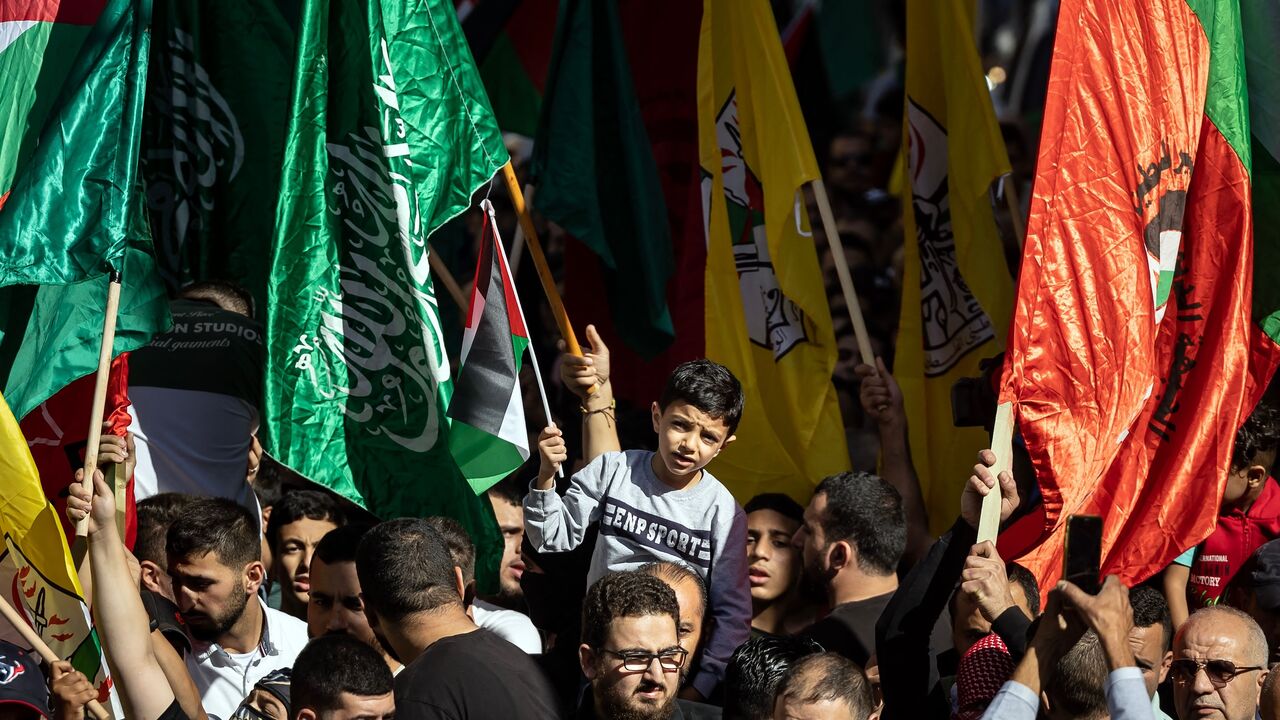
(488, 436)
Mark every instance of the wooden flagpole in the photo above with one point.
(540, 262)
(1002, 446)
(100, 391)
(842, 271)
(32, 638)
(517, 244)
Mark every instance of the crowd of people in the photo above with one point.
(637, 587)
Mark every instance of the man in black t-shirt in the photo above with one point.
(453, 669)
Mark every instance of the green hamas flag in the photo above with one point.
(70, 110)
(389, 134)
(595, 172)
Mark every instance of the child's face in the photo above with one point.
(687, 437)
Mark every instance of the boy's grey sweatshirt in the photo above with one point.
(643, 520)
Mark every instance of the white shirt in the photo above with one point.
(224, 679)
(514, 627)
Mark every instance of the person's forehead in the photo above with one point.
(689, 596)
(646, 632)
(267, 702)
(205, 565)
(765, 521)
(821, 710)
(306, 529)
(1148, 641)
(506, 513)
(688, 411)
(337, 579)
(1216, 637)
(362, 705)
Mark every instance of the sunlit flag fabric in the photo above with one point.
(488, 435)
(1129, 355)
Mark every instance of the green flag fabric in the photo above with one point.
(213, 131)
(71, 80)
(389, 135)
(595, 172)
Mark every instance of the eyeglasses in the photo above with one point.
(1220, 672)
(638, 661)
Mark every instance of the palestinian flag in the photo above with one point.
(488, 436)
(1130, 356)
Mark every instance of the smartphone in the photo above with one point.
(1083, 552)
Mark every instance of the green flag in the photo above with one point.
(70, 114)
(595, 172)
(70, 206)
(389, 134)
(217, 103)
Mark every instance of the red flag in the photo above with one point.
(1128, 356)
(58, 430)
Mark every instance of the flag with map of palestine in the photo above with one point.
(767, 318)
(1139, 344)
(389, 135)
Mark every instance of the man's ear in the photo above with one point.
(656, 412)
(1162, 672)
(150, 576)
(587, 659)
(459, 584)
(266, 517)
(306, 714)
(254, 573)
(1044, 704)
(840, 555)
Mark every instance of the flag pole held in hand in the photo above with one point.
(32, 638)
(100, 391)
(1002, 446)
(540, 262)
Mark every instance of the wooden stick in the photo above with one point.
(842, 271)
(32, 638)
(1002, 446)
(447, 279)
(1015, 210)
(517, 244)
(540, 262)
(100, 392)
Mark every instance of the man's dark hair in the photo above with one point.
(510, 490)
(1149, 608)
(777, 502)
(754, 671)
(339, 544)
(215, 525)
(155, 515)
(302, 504)
(672, 572)
(708, 386)
(1258, 438)
(827, 677)
(1077, 685)
(461, 549)
(268, 486)
(225, 294)
(405, 568)
(625, 594)
(1021, 576)
(331, 665)
(867, 512)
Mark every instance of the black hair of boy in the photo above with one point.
(405, 568)
(299, 505)
(218, 526)
(708, 386)
(1022, 577)
(155, 515)
(1258, 438)
(461, 549)
(866, 511)
(626, 594)
(331, 665)
(1150, 607)
(755, 670)
(780, 503)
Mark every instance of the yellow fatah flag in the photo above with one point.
(767, 318)
(956, 289)
(37, 576)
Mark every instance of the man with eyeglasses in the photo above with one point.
(631, 651)
(1220, 659)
